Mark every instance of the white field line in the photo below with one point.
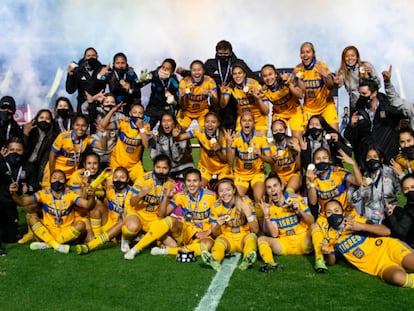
(212, 297)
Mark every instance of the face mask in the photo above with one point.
(119, 185)
(163, 74)
(408, 150)
(373, 165)
(91, 63)
(13, 158)
(410, 197)
(4, 116)
(278, 137)
(335, 220)
(57, 186)
(107, 108)
(223, 58)
(43, 125)
(120, 72)
(63, 113)
(134, 119)
(322, 166)
(364, 101)
(161, 177)
(315, 132)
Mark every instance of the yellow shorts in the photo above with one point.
(112, 221)
(235, 241)
(246, 180)
(260, 124)
(224, 172)
(145, 218)
(285, 179)
(185, 119)
(295, 244)
(294, 119)
(329, 114)
(62, 234)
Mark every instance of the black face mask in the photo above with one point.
(315, 132)
(5, 116)
(223, 59)
(119, 185)
(322, 166)
(335, 220)
(57, 186)
(107, 108)
(408, 151)
(161, 177)
(14, 158)
(364, 102)
(134, 119)
(278, 137)
(373, 165)
(91, 63)
(63, 113)
(43, 125)
(410, 197)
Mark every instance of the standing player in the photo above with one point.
(234, 225)
(288, 220)
(318, 86)
(197, 92)
(284, 91)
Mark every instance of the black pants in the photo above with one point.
(9, 220)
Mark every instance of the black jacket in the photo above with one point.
(383, 132)
(401, 224)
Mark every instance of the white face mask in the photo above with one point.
(163, 74)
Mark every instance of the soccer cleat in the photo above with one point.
(320, 266)
(26, 238)
(38, 245)
(159, 250)
(247, 261)
(125, 246)
(82, 249)
(268, 267)
(131, 254)
(209, 260)
(63, 248)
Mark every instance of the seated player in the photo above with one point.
(404, 161)
(288, 221)
(142, 206)
(197, 93)
(234, 225)
(325, 183)
(190, 217)
(59, 224)
(366, 246)
(107, 218)
(285, 152)
(213, 160)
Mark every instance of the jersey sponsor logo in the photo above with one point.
(350, 243)
(358, 253)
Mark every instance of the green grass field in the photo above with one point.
(103, 280)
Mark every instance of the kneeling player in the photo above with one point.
(288, 220)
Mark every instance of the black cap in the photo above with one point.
(8, 101)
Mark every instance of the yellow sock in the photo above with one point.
(98, 241)
(409, 280)
(317, 238)
(219, 249)
(196, 247)
(266, 252)
(96, 225)
(250, 244)
(157, 230)
(128, 234)
(42, 233)
(68, 234)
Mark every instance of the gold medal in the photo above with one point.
(187, 90)
(86, 173)
(112, 134)
(227, 218)
(250, 150)
(246, 89)
(311, 167)
(213, 140)
(279, 153)
(155, 132)
(328, 136)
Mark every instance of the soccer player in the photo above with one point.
(318, 86)
(285, 152)
(190, 217)
(234, 225)
(213, 158)
(59, 224)
(142, 207)
(250, 149)
(377, 255)
(197, 93)
(132, 138)
(247, 92)
(288, 221)
(284, 93)
(68, 148)
(108, 218)
(325, 183)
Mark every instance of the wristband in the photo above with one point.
(142, 130)
(311, 185)
(250, 218)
